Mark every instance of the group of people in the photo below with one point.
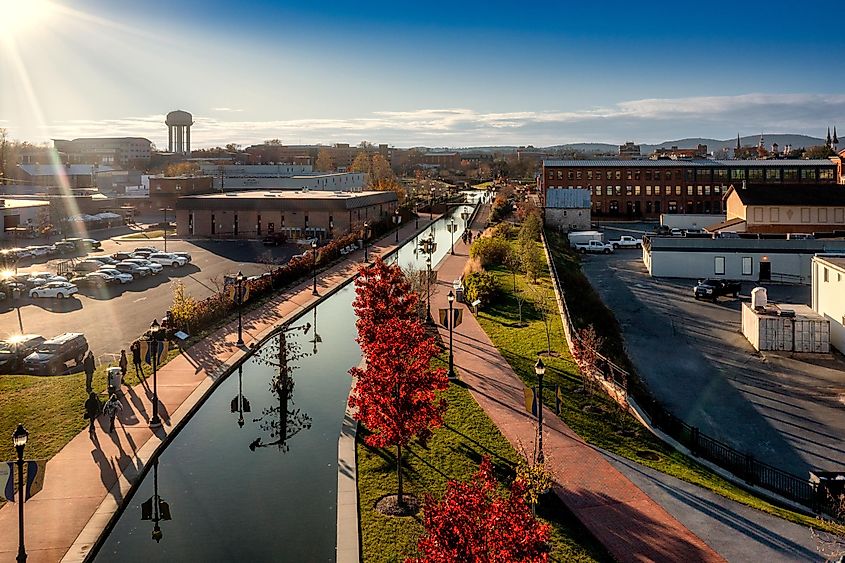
(468, 236)
(111, 408)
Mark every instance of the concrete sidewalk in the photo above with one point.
(630, 525)
(86, 482)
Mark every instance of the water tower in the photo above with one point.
(179, 132)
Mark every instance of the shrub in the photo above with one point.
(503, 231)
(489, 250)
(481, 286)
(530, 229)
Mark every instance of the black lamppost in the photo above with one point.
(427, 246)
(465, 217)
(19, 440)
(240, 404)
(431, 205)
(366, 242)
(416, 214)
(397, 219)
(154, 340)
(540, 370)
(155, 508)
(452, 228)
(240, 280)
(314, 266)
(451, 298)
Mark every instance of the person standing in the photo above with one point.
(136, 358)
(88, 366)
(111, 408)
(123, 363)
(92, 410)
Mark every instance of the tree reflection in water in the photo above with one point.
(281, 421)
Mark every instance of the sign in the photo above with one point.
(33, 475)
(531, 400)
(457, 317)
(181, 335)
(452, 227)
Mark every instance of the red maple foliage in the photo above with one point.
(476, 522)
(396, 393)
(383, 293)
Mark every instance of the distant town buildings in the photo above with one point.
(110, 151)
(629, 150)
(680, 153)
(61, 175)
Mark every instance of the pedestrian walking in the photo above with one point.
(92, 410)
(123, 363)
(136, 358)
(111, 408)
(88, 366)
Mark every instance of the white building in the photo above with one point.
(829, 294)
(27, 214)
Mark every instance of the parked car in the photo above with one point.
(134, 269)
(154, 267)
(39, 281)
(166, 259)
(184, 255)
(90, 244)
(274, 239)
(38, 278)
(95, 280)
(87, 266)
(121, 256)
(712, 289)
(626, 241)
(51, 356)
(728, 234)
(116, 275)
(64, 247)
(13, 350)
(147, 249)
(57, 289)
(103, 259)
(40, 251)
(594, 247)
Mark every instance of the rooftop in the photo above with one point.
(559, 198)
(835, 260)
(22, 203)
(283, 194)
(786, 194)
(62, 169)
(694, 163)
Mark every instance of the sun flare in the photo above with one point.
(18, 16)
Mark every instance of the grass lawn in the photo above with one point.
(454, 452)
(158, 233)
(520, 347)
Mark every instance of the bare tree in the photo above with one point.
(546, 306)
(585, 349)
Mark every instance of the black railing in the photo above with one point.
(742, 465)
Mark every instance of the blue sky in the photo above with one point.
(433, 73)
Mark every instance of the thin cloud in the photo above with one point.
(644, 120)
(227, 109)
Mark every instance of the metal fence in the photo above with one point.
(742, 465)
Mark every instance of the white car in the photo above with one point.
(40, 278)
(626, 241)
(166, 259)
(56, 289)
(116, 275)
(155, 267)
(184, 255)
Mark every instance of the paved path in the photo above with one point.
(87, 480)
(630, 525)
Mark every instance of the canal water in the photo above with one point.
(253, 474)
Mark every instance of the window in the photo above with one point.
(808, 173)
(598, 190)
(790, 174)
(774, 214)
(609, 175)
(689, 175)
(758, 214)
(618, 174)
(826, 174)
(719, 266)
(699, 190)
(822, 215)
(703, 175)
(656, 190)
(805, 214)
(637, 175)
(689, 190)
(677, 190)
(826, 275)
(668, 175)
(569, 175)
(629, 190)
(614, 207)
(706, 190)
(609, 190)
(657, 207)
(673, 207)
(648, 190)
(773, 174)
(636, 190)
(578, 175)
(657, 174)
(737, 174)
(630, 174)
(755, 174)
(747, 266)
(648, 174)
(589, 174)
(618, 190)
(717, 189)
(720, 175)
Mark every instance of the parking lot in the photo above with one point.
(694, 358)
(113, 316)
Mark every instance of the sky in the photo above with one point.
(429, 73)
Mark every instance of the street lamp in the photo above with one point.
(366, 241)
(240, 404)
(416, 214)
(451, 298)
(452, 228)
(314, 266)
(155, 337)
(19, 440)
(240, 280)
(155, 508)
(431, 205)
(397, 219)
(540, 370)
(465, 217)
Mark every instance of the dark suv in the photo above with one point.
(51, 357)
(713, 289)
(13, 351)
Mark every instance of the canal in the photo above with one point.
(252, 476)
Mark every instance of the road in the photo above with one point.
(693, 357)
(111, 320)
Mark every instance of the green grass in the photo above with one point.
(520, 346)
(50, 407)
(158, 233)
(454, 452)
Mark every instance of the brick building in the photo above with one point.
(647, 188)
(165, 190)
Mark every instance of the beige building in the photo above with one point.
(784, 209)
(23, 215)
(829, 294)
(255, 213)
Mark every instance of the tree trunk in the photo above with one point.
(399, 473)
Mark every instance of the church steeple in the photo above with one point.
(738, 146)
(827, 141)
(835, 139)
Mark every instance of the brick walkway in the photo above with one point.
(87, 480)
(630, 525)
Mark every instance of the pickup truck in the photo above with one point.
(594, 247)
(626, 242)
(712, 289)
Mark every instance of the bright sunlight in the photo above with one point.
(18, 16)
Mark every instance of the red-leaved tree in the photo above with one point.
(396, 393)
(476, 522)
(383, 293)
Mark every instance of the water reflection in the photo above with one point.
(240, 404)
(155, 509)
(281, 421)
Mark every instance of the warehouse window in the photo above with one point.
(719, 266)
(747, 266)
(826, 275)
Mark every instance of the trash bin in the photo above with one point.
(115, 378)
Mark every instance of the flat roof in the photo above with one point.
(694, 163)
(835, 260)
(826, 195)
(23, 203)
(283, 194)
